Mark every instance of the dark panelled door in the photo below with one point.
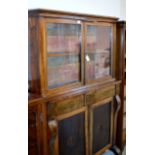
(71, 134)
(101, 126)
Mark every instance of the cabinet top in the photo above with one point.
(64, 14)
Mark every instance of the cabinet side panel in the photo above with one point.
(121, 48)
(33, 56)
(32, 134)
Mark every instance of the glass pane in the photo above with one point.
(63, 52)
(63, 70)
(63, 38)
(98, 52)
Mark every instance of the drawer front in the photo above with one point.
(100, 94)
(64, 106)
(104, 93)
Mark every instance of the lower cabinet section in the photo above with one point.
(84, 130)
(75, 125)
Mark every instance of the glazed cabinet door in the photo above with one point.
(98, 51)
(63, 53)
(67, 123)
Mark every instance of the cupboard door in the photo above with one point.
(98, 51)
(67, 134)
(71, 135)
(67, 126)
(63, 52)
(101, 126)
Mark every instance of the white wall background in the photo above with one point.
(114, 8)
(123, 10)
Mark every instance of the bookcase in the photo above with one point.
(73, 89)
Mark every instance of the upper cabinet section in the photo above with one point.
(69, 50)
(98, 51)
(63, 43)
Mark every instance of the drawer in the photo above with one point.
(64, 106)
(104, 93)
(100, 94)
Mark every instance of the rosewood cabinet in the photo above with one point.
(73, 91)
